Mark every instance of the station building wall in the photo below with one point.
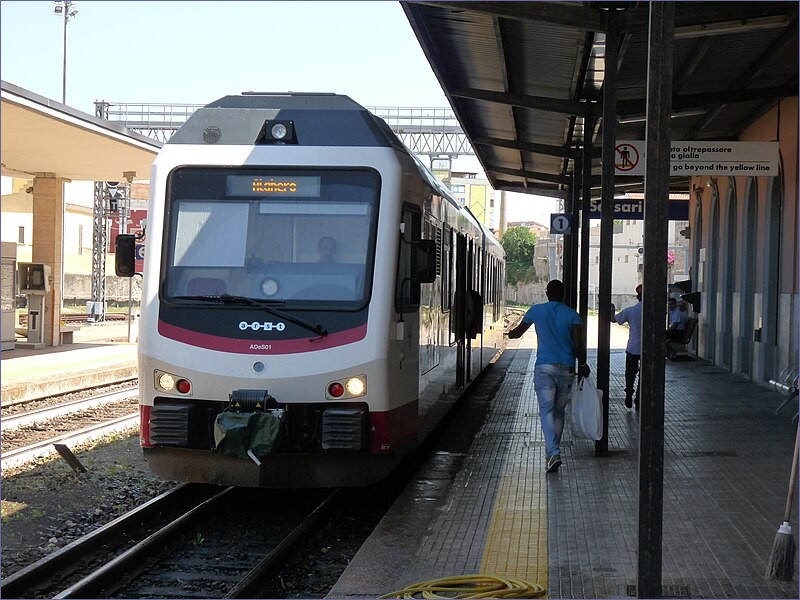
(745, 259)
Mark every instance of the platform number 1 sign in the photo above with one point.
(560, 223)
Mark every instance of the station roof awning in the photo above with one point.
(523, 77)
(40, 135)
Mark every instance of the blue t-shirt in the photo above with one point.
(553, 322)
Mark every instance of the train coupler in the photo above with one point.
(251, 401)
(250, 427)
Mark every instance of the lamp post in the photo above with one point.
(68, 10)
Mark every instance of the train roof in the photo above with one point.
(316, 120)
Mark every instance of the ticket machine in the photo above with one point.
(34, 282)
(9, 295)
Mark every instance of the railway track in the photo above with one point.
(52, 411)
(32, 434)
(196, 541)
(78, 318)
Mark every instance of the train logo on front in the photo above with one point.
(266, 326)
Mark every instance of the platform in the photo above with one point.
(484, 505)
(99, 355)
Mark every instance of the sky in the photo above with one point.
(196, 52)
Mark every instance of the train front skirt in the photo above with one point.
(251, 435)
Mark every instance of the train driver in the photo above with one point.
(327, 249)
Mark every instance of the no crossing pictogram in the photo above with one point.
(626, 157)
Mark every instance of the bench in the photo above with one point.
(678, 349)
(67, 333)
(786, 385)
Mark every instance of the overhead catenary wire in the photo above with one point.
(471, 586)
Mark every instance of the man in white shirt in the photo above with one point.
(633, 351)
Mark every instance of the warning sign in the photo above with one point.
(724, 158)
(626, 158)
(760, 159)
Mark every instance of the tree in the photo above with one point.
(519, 244)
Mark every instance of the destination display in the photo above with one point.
(274, 185)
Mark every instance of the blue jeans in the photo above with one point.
(553, 384)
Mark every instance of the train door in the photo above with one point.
(458, 321)
(469, 308)
(481, 271)
(430, 310)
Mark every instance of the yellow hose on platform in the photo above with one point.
(471, 586)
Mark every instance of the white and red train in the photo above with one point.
(263, 363)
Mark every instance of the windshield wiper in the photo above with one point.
(267, 305)
(226, 298)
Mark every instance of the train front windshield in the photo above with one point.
(294, 237)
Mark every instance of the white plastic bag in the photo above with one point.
(587, 410)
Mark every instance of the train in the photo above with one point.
(314, 300)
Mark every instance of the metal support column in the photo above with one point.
(607, 222)
(656, 223)
(586, 188)
(98, 252)
(572, 239)
(569, 276)
(99, 237)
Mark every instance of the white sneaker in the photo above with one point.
(553, 463)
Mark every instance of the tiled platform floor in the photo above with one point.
(727, 458)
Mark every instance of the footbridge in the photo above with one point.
(426, 131)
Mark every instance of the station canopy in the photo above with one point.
(522, 77)
(40, 135)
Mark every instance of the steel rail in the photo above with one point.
(89, 586)
(15, 584)
(5, 403)
(247, 587)
(65, 408)
(19, 456)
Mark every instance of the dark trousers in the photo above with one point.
(631, 369)
(672, 334)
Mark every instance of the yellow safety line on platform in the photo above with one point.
(519, 517)
(519, 522)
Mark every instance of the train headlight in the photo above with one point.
(352, 387)
(165, 381)
(356, 386)
(278, 131)
(169, 382)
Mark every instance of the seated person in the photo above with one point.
(327, 249)
(678, 318)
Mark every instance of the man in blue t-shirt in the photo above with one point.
(559, 333)
(633, 351)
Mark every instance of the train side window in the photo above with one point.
(407, 293)
(447, 243)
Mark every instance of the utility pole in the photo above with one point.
(68, 10)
